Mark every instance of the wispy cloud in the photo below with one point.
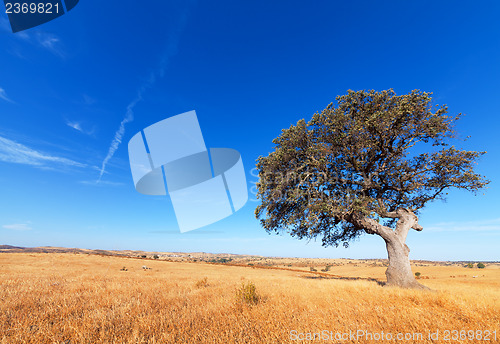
(3, 95)
(170, 50)
(78, 126)
(4, 24)
(13, 152)
(18, 227)
(100, 183)
(50, 42)
(88, 100)
(469, 226)
(45, 40)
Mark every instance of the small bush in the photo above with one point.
(247, 293)
(481, 265)
(417, 274)
(156, 256)
(469, 265)
(143, 256)
(312, 269)
(203, 283)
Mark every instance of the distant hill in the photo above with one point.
(215, 257)
(8, 247)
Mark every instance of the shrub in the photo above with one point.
(156, 256)
(481, 265)
(143, 256)
(203, 283)
(469, 265)
(417, 274)
(247, 293)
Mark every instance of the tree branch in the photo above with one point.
(372, 227)
(384, 212)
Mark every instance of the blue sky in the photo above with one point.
(249, 70)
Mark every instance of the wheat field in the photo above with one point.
(80, 298)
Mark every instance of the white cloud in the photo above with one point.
(78, 126)
(75, 125)
(100, 183)
(50, 42)
(13, 152)
(470, 226)
(38, 38)
(3, 95)
(18, 227)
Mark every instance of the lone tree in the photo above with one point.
(363, 167)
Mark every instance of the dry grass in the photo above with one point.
(75, 298)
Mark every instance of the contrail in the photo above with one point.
(170, 50)
(129, 117)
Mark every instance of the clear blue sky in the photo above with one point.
(248, 69)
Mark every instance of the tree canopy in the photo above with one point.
(372, 157)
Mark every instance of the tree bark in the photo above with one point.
(399, 270)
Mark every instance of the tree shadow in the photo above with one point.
(380, 283)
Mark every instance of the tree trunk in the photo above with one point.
(399, 271)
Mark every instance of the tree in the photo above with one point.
(367, 165)
(481, 265)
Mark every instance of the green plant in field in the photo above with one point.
(417, 274)
(247, 293)
(481, 265)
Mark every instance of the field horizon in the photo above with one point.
(204, 256)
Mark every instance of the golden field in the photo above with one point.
(86, 298)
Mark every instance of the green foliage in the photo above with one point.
(417, 274)
(247, 294)
(352, 161)
(481, 265)
(220, 260)
(469, 265)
